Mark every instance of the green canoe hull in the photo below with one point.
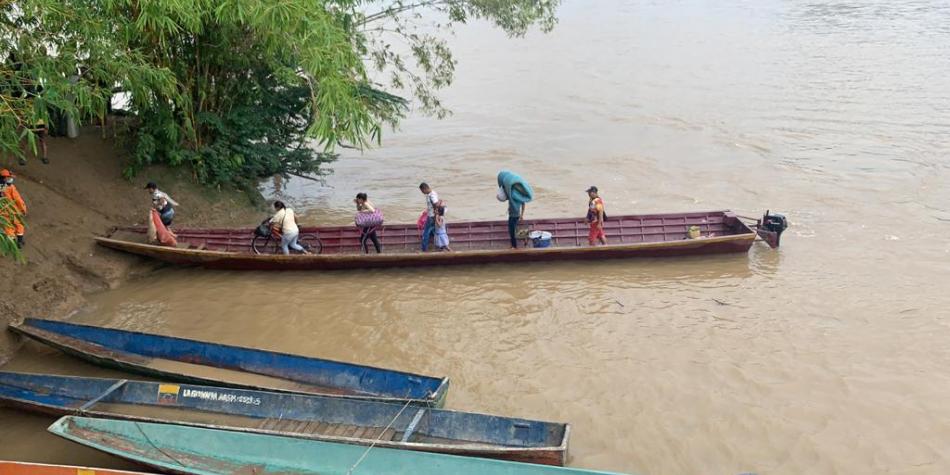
(200, 451)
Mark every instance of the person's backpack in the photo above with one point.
(591, 215)
(263, 229)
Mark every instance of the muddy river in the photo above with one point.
(829, 355)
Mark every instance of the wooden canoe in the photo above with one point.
(202, 451)
(26, 468)
(652, 235)
(309, 417)
(200, 362)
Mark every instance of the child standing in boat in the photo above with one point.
(441, 235)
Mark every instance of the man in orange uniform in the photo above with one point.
(8, 190)
(595, 217)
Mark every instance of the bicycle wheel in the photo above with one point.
(259, 244)
(311, 242)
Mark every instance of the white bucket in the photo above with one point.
(540, 238)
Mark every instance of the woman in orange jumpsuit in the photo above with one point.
(8, 190)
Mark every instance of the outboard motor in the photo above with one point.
(771, 227)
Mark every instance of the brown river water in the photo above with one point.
(829, 355)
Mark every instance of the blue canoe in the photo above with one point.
(201, 451)
(201, 362)
(293, 415)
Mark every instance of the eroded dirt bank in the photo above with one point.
(79, 194)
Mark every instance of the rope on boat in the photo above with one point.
(149, 440)
(379, 437)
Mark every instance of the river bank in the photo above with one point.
(79, 194)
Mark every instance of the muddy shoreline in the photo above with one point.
(82, 193)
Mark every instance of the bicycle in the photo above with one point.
(270, 243)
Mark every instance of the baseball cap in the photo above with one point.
(592, 188)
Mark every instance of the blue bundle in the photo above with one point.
(517, 189)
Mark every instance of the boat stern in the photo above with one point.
(438, 397)
(771, 227)
(562, 449)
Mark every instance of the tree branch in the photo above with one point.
(305, 177)
(389, 12)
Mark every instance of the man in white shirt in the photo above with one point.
(163, 203)
(432, 201)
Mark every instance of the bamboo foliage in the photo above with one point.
(61, 56)
(288, 64)
(237, 89)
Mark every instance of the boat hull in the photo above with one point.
(201, 451)
(26, 468)
(239, 261)
(308, 417)
(151, 354)
(635, 236)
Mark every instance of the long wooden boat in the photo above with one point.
(650, 235)
(202, 451)
(27, 468)
(200, 362)
(309, 417)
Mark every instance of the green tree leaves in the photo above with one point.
(238, 89)
(62, 57)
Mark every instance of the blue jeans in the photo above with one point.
(167, 215)
(289, 240)
(427, 232)
(512, 227)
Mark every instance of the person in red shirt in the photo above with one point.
(8, 190)
(595, 217)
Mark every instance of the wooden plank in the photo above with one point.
(269, 424)
(278, 423)
(413, 425)
(107, 392)
(288, 425)
(361, 432)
